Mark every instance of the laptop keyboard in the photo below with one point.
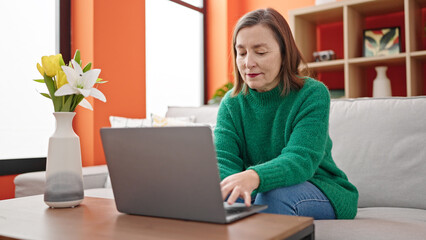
(236, 210)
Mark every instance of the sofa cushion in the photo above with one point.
(203, 114)
(381, 145)
(160, 121)
(376, 223)
(123, 122)
(154, 121)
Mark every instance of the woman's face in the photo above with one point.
(258, 57)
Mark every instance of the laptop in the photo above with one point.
(168, 172)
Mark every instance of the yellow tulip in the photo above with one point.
(40, 69)
(61, 79)
(51, 64)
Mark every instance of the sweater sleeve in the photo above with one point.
(228, 143)
(306, 139)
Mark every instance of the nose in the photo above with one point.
(249, 61)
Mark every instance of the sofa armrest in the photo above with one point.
(33, 183)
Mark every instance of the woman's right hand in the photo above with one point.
(240, 185)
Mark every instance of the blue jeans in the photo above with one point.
(303, 199)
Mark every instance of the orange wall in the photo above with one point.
(82, 32)
(217, 44)
(282, 6)
(7, 187)
(111, 34)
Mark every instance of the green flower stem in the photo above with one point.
(68, 103)
(63, 102)
(76, 101)
(52, 89)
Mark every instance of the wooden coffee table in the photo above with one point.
(98, 218)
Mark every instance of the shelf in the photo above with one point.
(327, 65)
(377, 7)
(419, 55)
(369, 61)
(326, 15)
(340, 26)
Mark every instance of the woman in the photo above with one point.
(271, 136)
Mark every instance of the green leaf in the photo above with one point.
(371, 41)
(68, 102)
(61, 61)
(220, 92)
(77, 56)
(52, 89)
(99, 80)
(39, 80)
(76, 101)
(387, 38)
(229, 85)
(87, 67)
(46, 95)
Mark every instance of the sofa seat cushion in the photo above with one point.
(376, 223)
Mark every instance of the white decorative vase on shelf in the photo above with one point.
(64, 181)
(382, 84)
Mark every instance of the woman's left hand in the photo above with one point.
(240, 185)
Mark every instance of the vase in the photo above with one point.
(382, 84)
(64, 181)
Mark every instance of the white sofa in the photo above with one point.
(379, 143)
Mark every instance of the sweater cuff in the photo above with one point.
(269, 175)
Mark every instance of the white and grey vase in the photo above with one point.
(64, 181)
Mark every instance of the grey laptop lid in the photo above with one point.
(167, 172)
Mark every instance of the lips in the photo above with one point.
(252, 75)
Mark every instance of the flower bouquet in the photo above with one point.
(69, 86)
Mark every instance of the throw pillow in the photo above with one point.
(159, 121)
(122, 122)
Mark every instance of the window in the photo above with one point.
(174, 54)
(30, 29)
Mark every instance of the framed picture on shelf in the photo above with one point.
(382, 42)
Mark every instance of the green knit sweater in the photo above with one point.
(285, 140)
